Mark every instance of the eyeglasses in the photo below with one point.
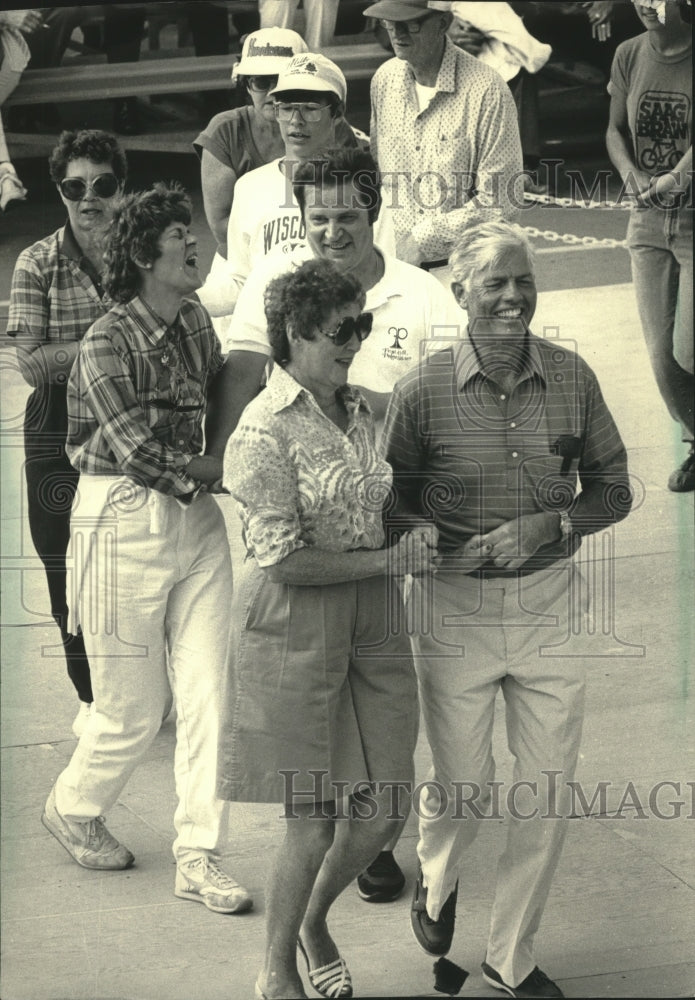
(349, 327)
(307, 112)
(410, 27)
(261, 84)
(103, 186)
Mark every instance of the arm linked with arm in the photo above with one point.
(402, 449)
(232, 389)
(259, 473)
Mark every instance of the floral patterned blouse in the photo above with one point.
(300, 481)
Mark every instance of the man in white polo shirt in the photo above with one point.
(309, 102)
(339, 198)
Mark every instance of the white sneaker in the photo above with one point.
(82, 718)
(202, 880)
(11, 189)
(89, 844)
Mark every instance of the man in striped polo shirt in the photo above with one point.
(488, 439)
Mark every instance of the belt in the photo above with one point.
(496, 574)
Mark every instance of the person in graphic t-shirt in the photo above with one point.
(309, 100)
(649, 140)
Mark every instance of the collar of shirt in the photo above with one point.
(389, 286)
(467, 362)
(71, 249)
(152, 325)
(283, 391)
(446, 77)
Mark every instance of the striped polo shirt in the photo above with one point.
(470, 456)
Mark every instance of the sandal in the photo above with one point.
(332, 980)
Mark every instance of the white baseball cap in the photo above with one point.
(312, 71)
(267, 51)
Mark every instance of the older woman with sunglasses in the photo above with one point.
(242, 139)
(57, 293)
(152, 565)
(323, 702)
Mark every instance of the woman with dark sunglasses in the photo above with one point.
(322, 699)
(56, 295)
(244, 138)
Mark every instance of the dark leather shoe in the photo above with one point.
(434, 936)
(536, 984)
(383, 881)
(683, 479)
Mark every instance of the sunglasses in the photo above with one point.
(307, 112)
(410, 27)
(260, 84)
(350, 327)
(75, 188)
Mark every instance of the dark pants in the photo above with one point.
(51, 486)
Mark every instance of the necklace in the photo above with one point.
(171, 360)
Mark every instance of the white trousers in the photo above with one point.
(473, 638)
(321, 16)
(153, 582)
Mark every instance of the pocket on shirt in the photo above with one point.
(554, 490)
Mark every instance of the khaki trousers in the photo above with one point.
(473, 638)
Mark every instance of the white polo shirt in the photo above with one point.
(412, 313)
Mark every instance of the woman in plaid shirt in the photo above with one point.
(151, 558)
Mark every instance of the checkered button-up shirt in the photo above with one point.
(455, 163)
(56, 294)
(137, 395)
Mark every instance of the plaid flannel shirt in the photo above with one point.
(56, 294)
(128, 411)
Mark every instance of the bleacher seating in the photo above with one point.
(158, 73)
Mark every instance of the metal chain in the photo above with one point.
(548, 199)
(570, 238)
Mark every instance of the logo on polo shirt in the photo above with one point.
(398, 333)
(396, 351)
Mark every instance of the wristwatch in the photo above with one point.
(565, 525)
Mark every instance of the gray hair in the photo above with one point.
(482, 246)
